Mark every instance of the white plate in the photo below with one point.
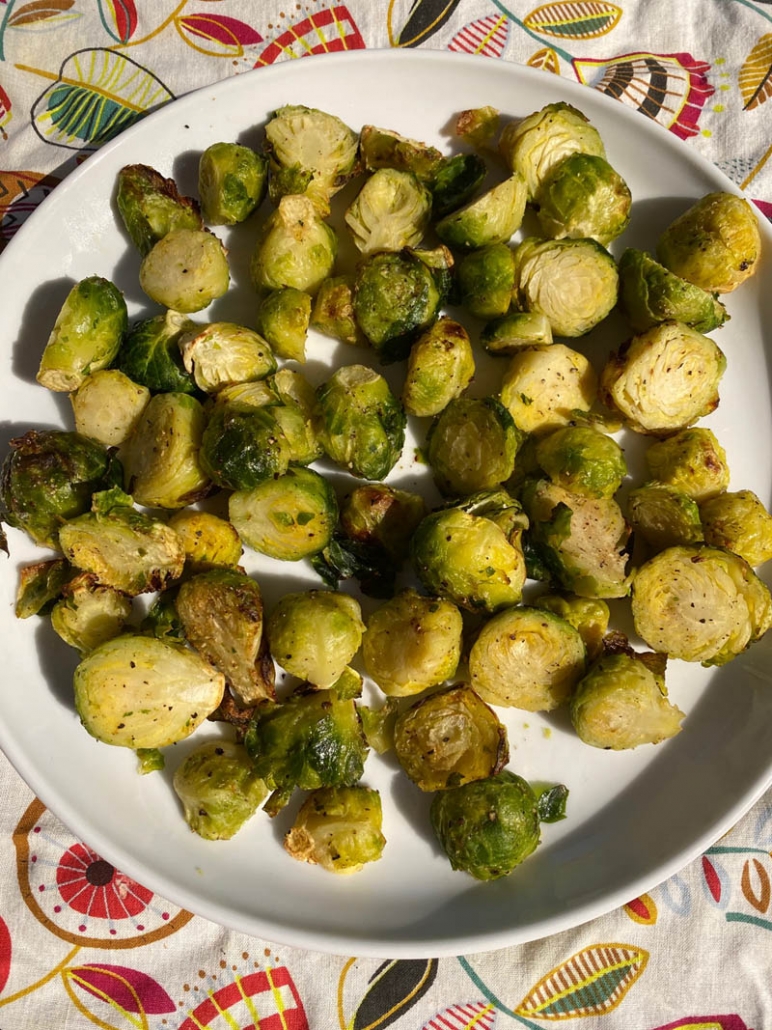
(633, 818)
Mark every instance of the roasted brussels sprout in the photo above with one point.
(161, 619)
(338, 828)
(295, 415)
(487, 827)
(89, 614)
(149, 760)
(333, 311)
(650, 294)
(142, 692)
(455, 182)
(544, 386)
(493, 217)
(477, 126)
(40, 585)
(739, 522)
(589, 615)
(47, 477)
(663, 380)
(412, 643)
(296, 248)
(151, 206)
(289, 516)
(513, 331)
(379, 516)
(440, 262)
(232, 181)
(622, 703)
(692, 461)
(664, 516)
(107, 405)
(700, 603)
(715, 244)
(283, 319)
(501, 508)
(383, 148)
(150, 353)
(485, 280)
(449, 738)
(527, 658)
(582, 460)
(573, 282)
(471, 445)
(359, 421)
(315, 634)
(86, 335)
(186, 270)
(583, 197)
(391, 211)
(124, 548)
(243, 445)
(218, 789)
(221, 353)
(440, 367)
(208, 541)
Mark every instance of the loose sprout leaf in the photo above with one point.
(551, 802)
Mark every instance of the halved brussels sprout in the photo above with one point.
(582, 460)
(513, 331)
(208, 541)
(186, 270)
(527, 658)
(622, 703)
(221, 353)
(243, 445)
(455, 182)
(440, 262)
(218, 789)
(574, 283)
(412, 643)
(283, 318)
(150, 353)
(288, 517)
(440, 367)
(151, 206)
(88, 614)
(141, 692)
(485, 281)
(379, 516)
(296, 248)
(478, 125)
(86, 335)
(107, 405)
(383, 148)
(588, 615)
(715, 244)
(663, 380)
(49, 476)
(650, 294)
(700, 603)
(449, 738)
(333, 311)
(40, 585)
(295, 415)
(315, 634)
(543, 387)
(583, 197)
(232, 181)
(471, 445)
(692, 461)
(338, 828)
(664, 516)
(493, 217)
(501, 508)
(391, 211)
(739, 522)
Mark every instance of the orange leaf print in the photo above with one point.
(755, 77)
(756, 893)
(546, 59)
(38, 10)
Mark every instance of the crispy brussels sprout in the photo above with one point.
(493, 217)
(243, 445)
(47, 477)
(360, 423)
(583, 197)
(395, 298)
(487, 827)
(650, 294)
(142, 692)
(232, 181)
(485, 281)
(527, 658)
(582, 460)
(471, 445)
(440, 367)
(455, 182)
(501, 508)
(391, 211)
(467, 559)
(622, 703)
(313, 739)
(107, 405)
(40, 585)
(663, 380)
(86, 335)
(588, 615)
(161, 458)
(533, 146)
(151, 206)
(333, 311)
(513, 331)
(288, 517)
(296, 248)
(700, 603)
(449, 738)
(543, 387)
(283, 318)
(478, 125)
(218, 789)
(88, 614)
(573, 282)
(715, 244)
(208, 541)
(664, 516)
(692, 461)
(222, 353)
(150, 353)
(739, 522)
(412, 643)
(383, 148)
(377, 515)
(579, 543)
(186, 270)
(338, 828)
(315, 634)
(124, 548)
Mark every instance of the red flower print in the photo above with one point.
(92, 886)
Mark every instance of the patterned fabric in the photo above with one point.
(83, 945)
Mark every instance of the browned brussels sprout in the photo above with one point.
(383, 148)
(664, 516)
(338, 828)
(381, 516)
(333, 311)
(692, 461)
(40, 585)
(218, 789)
(209, 542)
(739, 522)
(88, 614)
(151, 206)
(440, 367)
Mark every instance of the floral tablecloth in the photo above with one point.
(106, 952)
